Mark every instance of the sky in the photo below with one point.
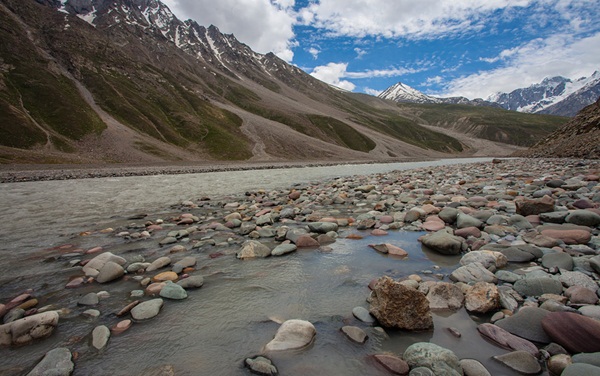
(470, 48)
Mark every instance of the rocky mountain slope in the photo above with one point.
(579, 138)
(403, 93)
(85, 81)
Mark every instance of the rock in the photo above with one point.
(557, 260)
(121, 326)
(581, 369)
(173, 291)
(100, 336)
(441, 361)
(583, 218)
(192, 282)
(27, 329)
(554, 217)
(89, 299)
(393, 364)
(397, 306)
(574, 332)
(474, 272)
(557, 363)
(443, 295)
(160, 262)
(465, 220)
(322, 227)
(468, 231)
(292, 334)
(486, 258)
(587, 358)
(505, 339)
(538, 286)
(506, 276)
(186, 262)
(363, 315)
(261, 366)
(91, 313)
(306, 241)
(356, 334)
(93, 267)
(449, 214)
(137, 267)
(283, 249)
(577, 279)
(165, 276)
(527, 207)
(253, 249)
(421, 371)
(56, 362)
(520, 361)
(581, 295)
(592, 311)
(482, 298)
(569, 236)
(433, 226)
(527, 323)
(472, 367)
(521, 253)
(444, 243)
(147, 310)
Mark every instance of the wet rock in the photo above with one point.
(389, 249)
(468, 231)
(449, 214)
(322, 227)
(397, 306)
(173, 291)
(482, 297)
(93, 267)
(474, 272)
(444, 243)
(581, 295)
(253, 249)
(592, 311)
(192, 282)
(27, 329)
(577, 279)
(507, 276)
(283, 249)
(527, 323)
(186, 262)
(421, 371)
(305, 241)
(56, 362)
(520, 361)
(465, 220)
(165, 276)
(538, 286)
(356, 334)
(261, 366)
(557, 260)
(100, 336)
(443, 295)
(121, 326)
(89, 299)
(363, 315)
(569, 236)
(147, 310)
(395, 365)
(557, 363)
(505, 339)
(292, 334)
(527, 207)
(581, 369)
(438, 359)
(472, 367)
(160, 262)
(137, 267)
(14, 315)
(554, 217)
(583, 218)
(587, 358)
(574, 332)
(91, 313)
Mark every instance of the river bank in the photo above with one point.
(472, 245)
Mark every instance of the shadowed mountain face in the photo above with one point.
(126, 81)
(579, 138)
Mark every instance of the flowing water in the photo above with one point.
(235, 313)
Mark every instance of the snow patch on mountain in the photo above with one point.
(403, 93)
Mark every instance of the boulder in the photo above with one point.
(397, 306)
(25, 330)
(482, 297)
(109, 272)
(527, 323)
(583, 218)
(100, 336)
(538, 286)
(538, 206)
(261, 366)
(574, 332)
(444, 295)
(292, 334)
(505, 339)
(474, 272)
(486, 258)
(472, 367)
(444, 243)
(441, 361)
(520, 361)
(393, 364)
(253, 249)
(560, 260)
(56, 362)
(92, 268)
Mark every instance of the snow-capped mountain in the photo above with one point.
(403, 93)
(555, 95)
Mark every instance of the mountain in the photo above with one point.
(90, 81)
(555, 96)
(579, 138)
(402, 93)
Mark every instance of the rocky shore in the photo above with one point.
(527, 232)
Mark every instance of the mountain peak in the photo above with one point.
(401, 92)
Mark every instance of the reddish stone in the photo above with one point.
(186, 221)
(121, 326)
(378, 232)
(75, 282)
(581, 295)
(569, 236)
(154, 228)
(433, 226)
(527, 207)
(468, 231)
(127, 308)
(294, 195)
(354, 237)
(505, 339)
(393, 364)
(574, 332)
(386, 219)
(306, 241)
(216, 255)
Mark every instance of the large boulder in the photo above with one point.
(253, 249)
(25, 330)
(397, 306)
(291, 335)
(444, 243)
(444, 295)
(441, 361)
(93, 267)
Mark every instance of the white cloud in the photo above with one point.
(560, 54)
(314, 52)
(373, 92)
(403, 18)
(360, 52)
(264, 25)
(436, 80)
(332, 74)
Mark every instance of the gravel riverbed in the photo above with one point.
(526, 233)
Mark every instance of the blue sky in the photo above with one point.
(471, 48)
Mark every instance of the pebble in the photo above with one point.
(56, 362)
(100, 336)
(147, 310)
(355, 333)
(520, 361)
(291, 335)
(173, 291)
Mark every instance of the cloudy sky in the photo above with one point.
(471, 48)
